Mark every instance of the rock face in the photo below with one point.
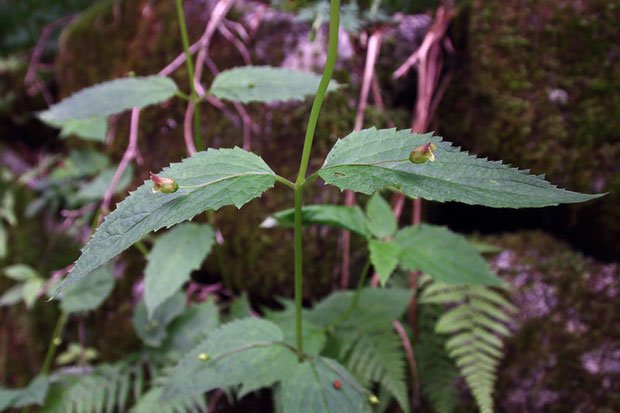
(565, 352)
(537, 87)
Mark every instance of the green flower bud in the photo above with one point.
(203, 357)
(373, 399)
(423, 153)
(164, 185)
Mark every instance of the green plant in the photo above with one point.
(330, 358)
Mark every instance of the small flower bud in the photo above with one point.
(57, 341)
(373, 399)
(203, 357)
(423, 153)
(337, 384)
(165, 185)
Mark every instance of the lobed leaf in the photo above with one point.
(371, 159)
(224, 177)
(265, 84)
(444, 255)
(310, 388)
(381, 220)
(247, 352)
(173, 258)
(384, 257)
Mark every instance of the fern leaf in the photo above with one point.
(475, 324)
(377, 356)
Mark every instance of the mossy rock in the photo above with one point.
(538, 88)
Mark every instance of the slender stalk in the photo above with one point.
(54, 343)
(190, 71)
(332, 49)
(141, 247)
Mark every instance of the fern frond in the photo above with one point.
(436, 369)
(475, 325)
(104, 390)
(376, 356)
(150, 403)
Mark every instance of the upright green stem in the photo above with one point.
(332, 48)
(190, 71)
(54, 343)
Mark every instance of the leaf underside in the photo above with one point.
(345, 217)
(453, 176)
(225, 176)
(265, 84)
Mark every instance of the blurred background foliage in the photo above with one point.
(535, 83)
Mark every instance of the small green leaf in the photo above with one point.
(381, 221)
(212, 179)
(88, 293)
(20, 272)
(371, 159)
(30, 291)
(245, 352)
(191, 328)
(265, 84)
(444, 255)
(384, 257)
(153, 330)
(311, 388)
(173, 258)
(94, 128)
(345, 217)
(12, 296)
(111, 97)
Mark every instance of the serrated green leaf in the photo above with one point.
(371, 159)
(265, 84)
(313, 337)
(245, 352)
(337, 216)
(112, 97)
(173, 258)
(150, 403)
(384, 257)
(374, 305)
(20, 272)
(220, 177)
(96, 188)
(88, 293)
(93, 128)
(153, 330)
(191, 327)
(381, 221)
(310, 389)
(444, 255)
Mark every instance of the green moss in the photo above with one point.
(498, 105)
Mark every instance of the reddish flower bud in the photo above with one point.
(164, 185)
(423, 153)
(337, 384)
